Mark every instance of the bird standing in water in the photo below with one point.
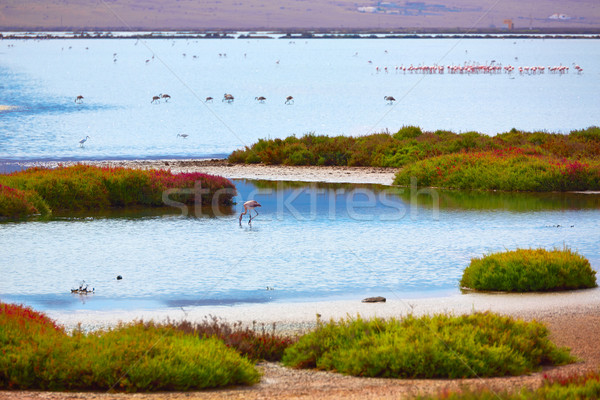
(82, 141)
(248, 207)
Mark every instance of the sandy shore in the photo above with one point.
(300, 316)
(572, 317)
(383, 176)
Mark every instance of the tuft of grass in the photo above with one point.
(84, 187)
(573, 387)
(439, 346)
(526, 270)
(135, 357)
(255, 344)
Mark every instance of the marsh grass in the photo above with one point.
(36, 354)
(511, 169)
(84, 187)
(526, 270)
(439, 346)
(411, 144)
(573, 387)
(15, 203)
(256, 343)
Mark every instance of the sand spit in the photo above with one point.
(382, 176)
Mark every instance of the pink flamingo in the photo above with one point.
(248, 207)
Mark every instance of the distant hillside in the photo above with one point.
(298, 14)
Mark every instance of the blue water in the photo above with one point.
(336, 91)
(309, 242)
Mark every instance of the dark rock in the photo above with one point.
(377, 299)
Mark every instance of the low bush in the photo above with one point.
(439, 346)
(136, 357)
(526, 270)
(252, 343)
(569, 388)
(511, 169)
(83, 187)
(15, 203)
(411, 144)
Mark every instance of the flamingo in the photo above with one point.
(248, 207)
(289, 100)
(261, 99)
(82, 141)
(390, 99)
(79, 99)
(183, 135)
(155, 98)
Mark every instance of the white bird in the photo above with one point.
(82, 141)
(183, 135)
(248, 207)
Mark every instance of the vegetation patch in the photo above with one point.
(256, 344)
(515, 160)
(36, 354)
(411, 144)
(83, 187)
(508, 169)
(556, 388)
(527, 270)
(15, 203)
(439, 346)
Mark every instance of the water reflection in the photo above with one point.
(311, 241)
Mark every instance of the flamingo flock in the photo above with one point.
(473, 68)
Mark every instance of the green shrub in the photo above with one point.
(411, 144)
(440, 346)
(408, 132)
(526, 270)
(135, 357)
(511, 169)
(590, 134)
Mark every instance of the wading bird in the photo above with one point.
(82, 141)
(389, 99)
(248, 207)
(183, 135)
(165, 96)
(228, 98)
(289, 100)
(155, 98)
(79, 99)
(260, 99)
(209, 99)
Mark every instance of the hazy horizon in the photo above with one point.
(297, 14)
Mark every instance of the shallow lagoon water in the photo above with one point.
(310, 242)
(336, 91)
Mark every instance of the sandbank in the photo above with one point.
(369, 175)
